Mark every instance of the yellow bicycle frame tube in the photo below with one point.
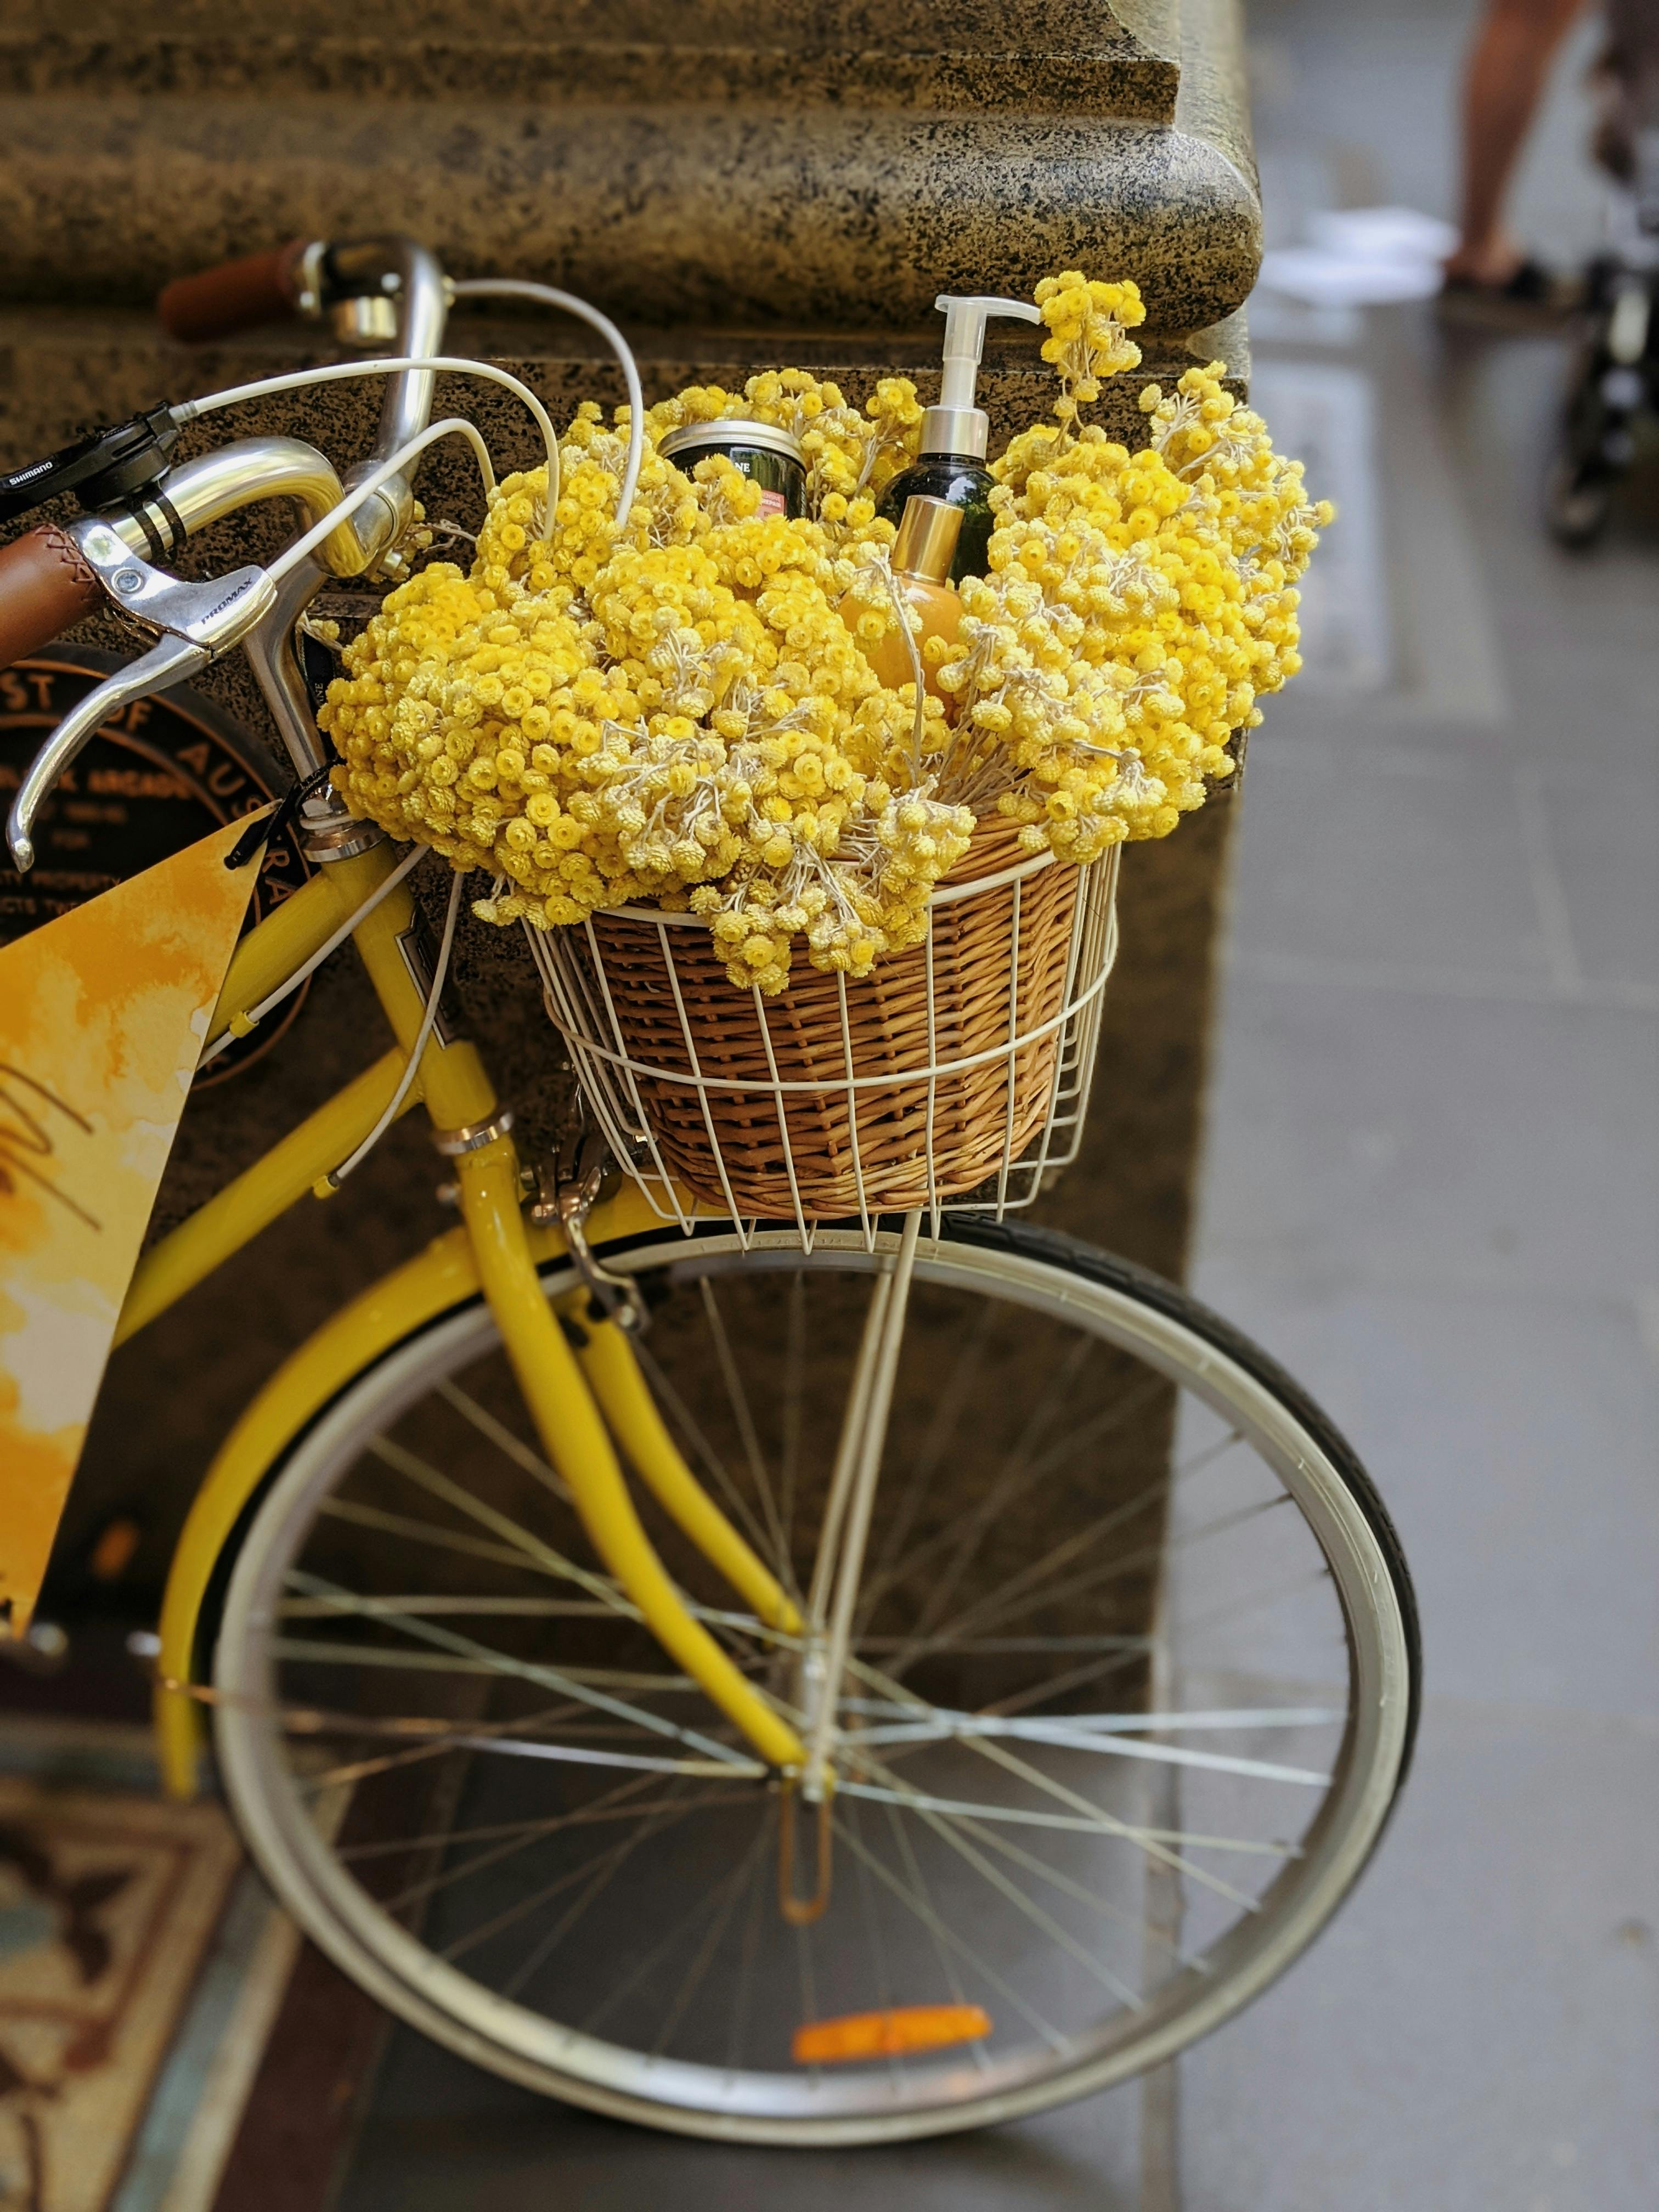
(209, 1237)
(630, 1412)
(574, 1437)
(503, 1255)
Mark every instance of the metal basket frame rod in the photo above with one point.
(863, 1451)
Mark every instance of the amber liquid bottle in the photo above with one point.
(922, 553)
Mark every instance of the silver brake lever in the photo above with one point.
(170, 662)
(199, 621)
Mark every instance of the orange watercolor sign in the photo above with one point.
(102, 1015)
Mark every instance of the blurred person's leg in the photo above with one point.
(1508, 63)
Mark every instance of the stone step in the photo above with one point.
(1129, 27)
(832, 217)
(1109, 81)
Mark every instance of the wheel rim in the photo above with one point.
(1081, 1917)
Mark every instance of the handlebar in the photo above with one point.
(47, 586)
(237, 296)
(55, 576)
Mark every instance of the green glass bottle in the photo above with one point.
(959, 482)
(955, 434)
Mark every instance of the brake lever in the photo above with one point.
(198, 621)
(169, 662)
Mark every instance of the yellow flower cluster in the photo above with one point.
(673, 709)
(1088, 325)
(850, 455)
(1136, 606)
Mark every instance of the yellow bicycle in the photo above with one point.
(994, 1672)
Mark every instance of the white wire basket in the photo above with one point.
(954, 1079)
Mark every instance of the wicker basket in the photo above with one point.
(937, 1072)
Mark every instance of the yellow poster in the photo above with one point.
(102, 1015)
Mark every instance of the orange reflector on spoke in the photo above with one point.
(890, 2033)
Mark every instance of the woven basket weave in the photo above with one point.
(989, 989)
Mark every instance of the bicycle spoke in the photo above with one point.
(540, 1825)
(1252, 1716)
(417, 1470)
(905, 1851)
(962, 1728)
(1095, 1815)
(680, 1413)
(1047, 1408)
(809, 1995)
(629, 1982)
(1143, 1837)
(517, 1608)
(995, 1607)
(737, 1400)
(875, 1942)
(947, 1411)
(793, 1410)
(747, 1951)
(1030, 1910)
(1020, 1480)
(609, 1866)
(446, 1877)
(547, 1678)
(426, 1532)
(947, 1937)
(497, 1433)
(378, 1655)
(1089, 1823)
(1014, 1596)
(704, 1956)
(1064, 1883)
(611, 1862)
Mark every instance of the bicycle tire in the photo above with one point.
(1038, 1272)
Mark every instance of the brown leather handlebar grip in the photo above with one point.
(237, 296)
(45, 588)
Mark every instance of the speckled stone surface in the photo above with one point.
(676, 164)
(828, 167)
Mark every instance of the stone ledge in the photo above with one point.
(1132, 28)
(556, 73)
(829, 217)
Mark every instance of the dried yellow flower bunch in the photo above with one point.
(672, 710)
(1137, 605)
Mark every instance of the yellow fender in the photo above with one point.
(441, 1276)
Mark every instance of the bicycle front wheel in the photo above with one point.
(1131, 1685)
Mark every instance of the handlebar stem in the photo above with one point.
(406, 267)
(416, 278)
(270, 655)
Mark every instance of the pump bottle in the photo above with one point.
(955, 434)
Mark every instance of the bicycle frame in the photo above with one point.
(579, 1400)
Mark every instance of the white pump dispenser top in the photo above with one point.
(957, 425)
